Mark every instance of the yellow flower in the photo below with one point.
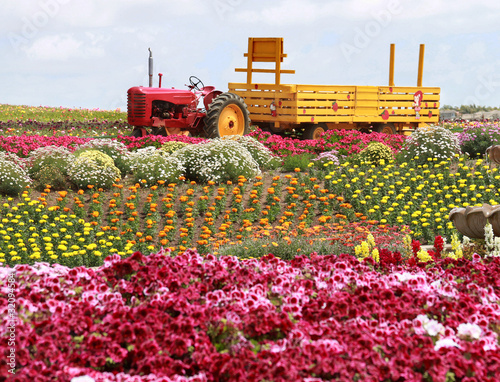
(424, 256)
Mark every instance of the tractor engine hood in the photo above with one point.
(175, 96)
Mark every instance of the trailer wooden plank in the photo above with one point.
(408, 89)
(408, 97)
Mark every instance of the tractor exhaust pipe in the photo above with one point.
(150, 68)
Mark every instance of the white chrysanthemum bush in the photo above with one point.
(93, 168)
(13, 178)
(155, 166)
(13, 158)
(217, 160)
(113, 148)
(427, 143)
(260, 153)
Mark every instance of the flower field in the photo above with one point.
(305, 260)
(202, 318)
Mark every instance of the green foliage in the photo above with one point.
(217, 160)
(51, 174)
(148, 170)
(171, 146)
(376, 152)
(286, 250)
(427, 143)
(13, 178)
(469, 109)
(291, 162)
(475, 141)
(93, 168)
(476, 148)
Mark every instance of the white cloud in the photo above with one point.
(63, 48)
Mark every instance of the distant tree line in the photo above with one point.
(469, 109)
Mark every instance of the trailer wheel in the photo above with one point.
(386, 128)
(227, 115)
(314, 131)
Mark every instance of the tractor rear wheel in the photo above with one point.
(227, 115)
(314, 131)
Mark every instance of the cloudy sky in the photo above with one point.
(78, 53)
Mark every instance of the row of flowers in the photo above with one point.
(86, 226)
(48, 114)
(345, 142)
(419, 195)
(194, 318)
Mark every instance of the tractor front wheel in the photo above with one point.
(227, 115)
(138, 132)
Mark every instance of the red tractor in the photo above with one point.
(173, 111)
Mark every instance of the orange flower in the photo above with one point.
(63, 193)
(95, 214)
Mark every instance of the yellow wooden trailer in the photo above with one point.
(315, 108)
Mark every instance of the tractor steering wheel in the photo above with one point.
(195, 82)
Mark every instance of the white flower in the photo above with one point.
(469, 331)
(432, 327)
(83, 378)
(445, 343)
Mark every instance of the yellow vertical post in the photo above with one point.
(249, 61)
(420, 64)
(391, 66)
(278, 52)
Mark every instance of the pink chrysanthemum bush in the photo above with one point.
(194, 318)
